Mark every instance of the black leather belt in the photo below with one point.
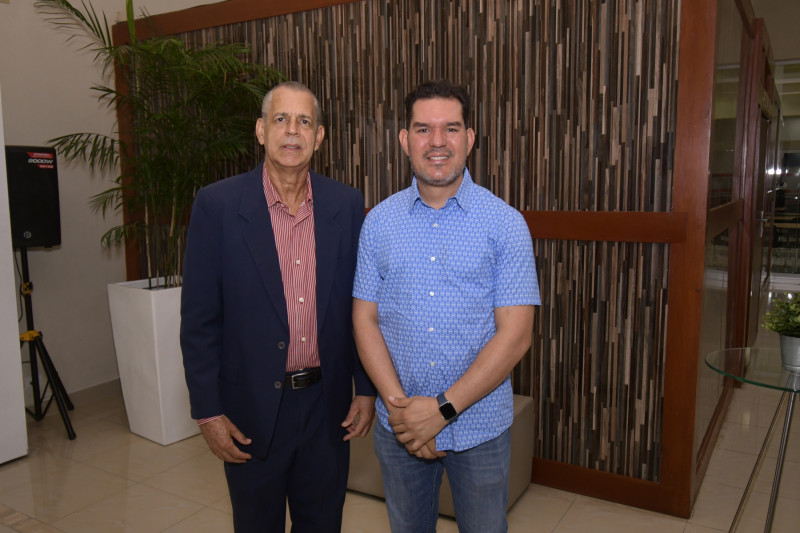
(303, 378)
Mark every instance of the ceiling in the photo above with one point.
(787, 81)
(781, 20)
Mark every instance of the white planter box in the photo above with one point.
(146, 326)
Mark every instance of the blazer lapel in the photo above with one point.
(327, 234)
(260, 240)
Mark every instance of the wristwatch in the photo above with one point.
(446, 408)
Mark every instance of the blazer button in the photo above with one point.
(281, 345)
(277, 384)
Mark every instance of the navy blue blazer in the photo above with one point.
(234, 323)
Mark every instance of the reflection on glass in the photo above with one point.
(785, 235)
(726, 97)
(786, 228)
(717, 256)
(721, 168)
(712, 332)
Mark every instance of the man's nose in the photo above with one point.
(437, 137)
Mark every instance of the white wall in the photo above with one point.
(13, 438)
(780, 18)
(46, 93)
(791, 129)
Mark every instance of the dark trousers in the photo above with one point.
(303, 467)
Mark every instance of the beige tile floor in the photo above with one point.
(109, 480)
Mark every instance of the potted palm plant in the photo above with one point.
(784, 318)
(189, 120)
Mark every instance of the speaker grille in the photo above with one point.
(33, 196)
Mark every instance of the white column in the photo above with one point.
(13, 437)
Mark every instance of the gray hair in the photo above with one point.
(295, 86)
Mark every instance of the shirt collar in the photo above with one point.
(461, 197)
(272, 195)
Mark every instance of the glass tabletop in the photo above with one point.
(757, 366)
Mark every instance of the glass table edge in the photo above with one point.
(781, 379)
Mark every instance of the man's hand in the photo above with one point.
(220, 434)
(429, 451)
(359, 418)
(416, 421)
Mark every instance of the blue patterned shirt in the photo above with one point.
(437, 276)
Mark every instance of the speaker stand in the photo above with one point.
(37, 350)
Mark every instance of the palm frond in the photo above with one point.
(192, 113)
(108, 200)
(119, 234)
(77, 23)
(99, 151)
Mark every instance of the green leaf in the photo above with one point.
(192, 111)
(131, 21)
(784, 316)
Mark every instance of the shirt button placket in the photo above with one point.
(432, 280)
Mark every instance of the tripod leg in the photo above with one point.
(36, 344)
(38, 411)
(56, 380)
(60, 394)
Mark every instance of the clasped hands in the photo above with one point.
(416, 421)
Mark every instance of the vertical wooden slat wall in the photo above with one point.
(573, 110)
(573, 101)
(575, 106)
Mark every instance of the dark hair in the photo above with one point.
(439, 89)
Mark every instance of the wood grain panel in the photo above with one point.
(687, 260)
(607, 226)
(574, 108)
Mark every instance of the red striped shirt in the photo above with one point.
(294, 238)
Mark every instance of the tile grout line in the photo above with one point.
(566, 511)
(23, 523)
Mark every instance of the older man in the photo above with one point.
(266, 326)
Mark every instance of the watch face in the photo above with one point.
(448, 411)
(446, 408)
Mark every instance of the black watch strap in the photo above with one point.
(446, 408)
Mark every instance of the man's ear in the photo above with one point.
(260, 131)
(320, 136)
(403, 136)
(470, 140)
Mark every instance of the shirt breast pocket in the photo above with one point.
(467, 266)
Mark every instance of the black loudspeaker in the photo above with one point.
(33, 196)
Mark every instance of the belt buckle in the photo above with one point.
(299, 375)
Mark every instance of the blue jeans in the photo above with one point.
(478, 478)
